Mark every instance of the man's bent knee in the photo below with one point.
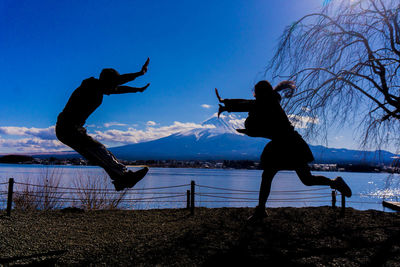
(63, 133)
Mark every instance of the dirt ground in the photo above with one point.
(314, 236)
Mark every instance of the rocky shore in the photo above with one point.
(314, 236)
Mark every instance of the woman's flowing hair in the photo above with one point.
(264, 89)
(288, 88)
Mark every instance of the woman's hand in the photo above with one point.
(219, 98)
(221, 109)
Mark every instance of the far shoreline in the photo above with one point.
(324, 167)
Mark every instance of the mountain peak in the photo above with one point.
(228, 123)
(216, 126)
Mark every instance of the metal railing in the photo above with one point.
(195, 194)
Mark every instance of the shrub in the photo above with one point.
(44, 195)
(96, 192)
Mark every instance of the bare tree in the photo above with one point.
(345, 61)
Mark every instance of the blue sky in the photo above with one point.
(49, 47)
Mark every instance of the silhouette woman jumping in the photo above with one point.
(83, 102)
(287, 150)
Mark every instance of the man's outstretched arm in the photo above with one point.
(128, 89)
(124, 78)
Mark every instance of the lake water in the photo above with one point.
(214, 187)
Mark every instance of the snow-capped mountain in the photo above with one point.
(225, 124)
(218, 139)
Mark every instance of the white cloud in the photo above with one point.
(42, 133)
(31, 145)
(35, 139)
(302, 122)
(133, 135)
(206, 106)
(44, 139)
(109, 124)
(151, 123)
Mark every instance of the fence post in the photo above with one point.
(188, 199)
(333, 198)
(343, 205)
(192, 185)
(10, 195)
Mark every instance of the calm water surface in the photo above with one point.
(215, 187)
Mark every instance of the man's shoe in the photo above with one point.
(129, 179)
(340, 185)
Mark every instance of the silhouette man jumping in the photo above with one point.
(287, 150)
(83, 102)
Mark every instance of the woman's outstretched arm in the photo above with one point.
(239, 105)
(234, 105)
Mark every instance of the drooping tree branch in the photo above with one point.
(345, 61)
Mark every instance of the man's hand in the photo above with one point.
(144, 68)
(141, 89)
